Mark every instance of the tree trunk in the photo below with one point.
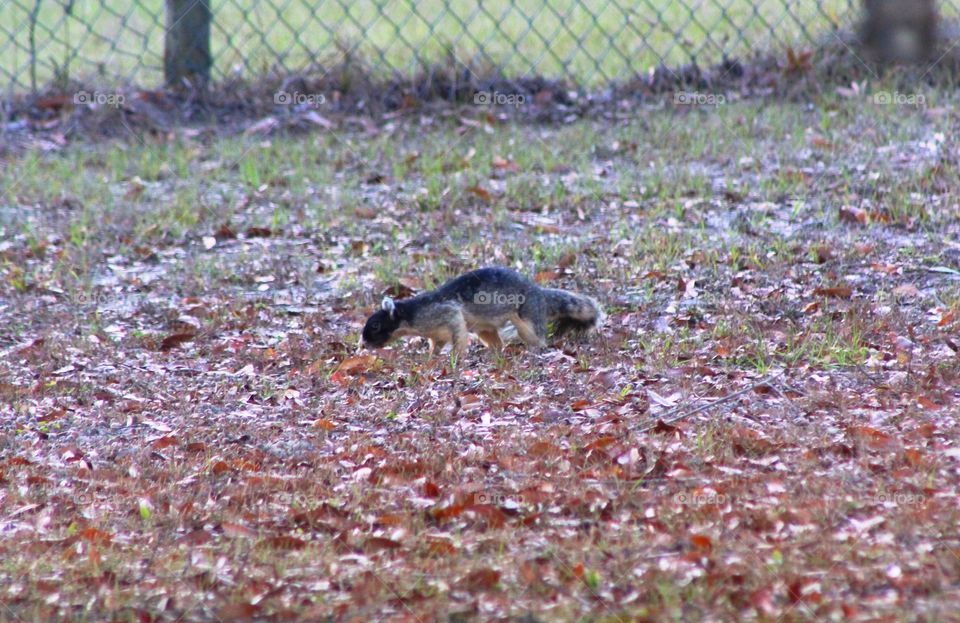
(186, 55)
(900, 31)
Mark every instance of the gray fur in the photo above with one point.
(484, 301)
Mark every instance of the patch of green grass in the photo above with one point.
(828, 342)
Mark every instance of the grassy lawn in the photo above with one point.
(590, 42)
(189, 434)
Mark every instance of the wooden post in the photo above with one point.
(900, 31)
(186, 54)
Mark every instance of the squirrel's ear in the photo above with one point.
(388, 306)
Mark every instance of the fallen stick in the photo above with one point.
(716, 403)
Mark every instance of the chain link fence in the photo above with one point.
(588, 42)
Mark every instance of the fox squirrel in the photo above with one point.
(481, 302)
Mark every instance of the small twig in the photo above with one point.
(777, 390)
(716, 403)
(791, 388)
(944, 270)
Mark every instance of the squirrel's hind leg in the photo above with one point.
(436, 345)
(532, 333)
(491, 338)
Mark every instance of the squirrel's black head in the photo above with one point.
(381, 325)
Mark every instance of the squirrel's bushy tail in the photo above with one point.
(572, 312)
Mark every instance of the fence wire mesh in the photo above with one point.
(588, 42)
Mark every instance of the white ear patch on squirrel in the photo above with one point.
(388, 305)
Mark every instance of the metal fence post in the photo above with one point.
(897, 31)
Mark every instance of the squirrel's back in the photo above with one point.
(489, 279)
